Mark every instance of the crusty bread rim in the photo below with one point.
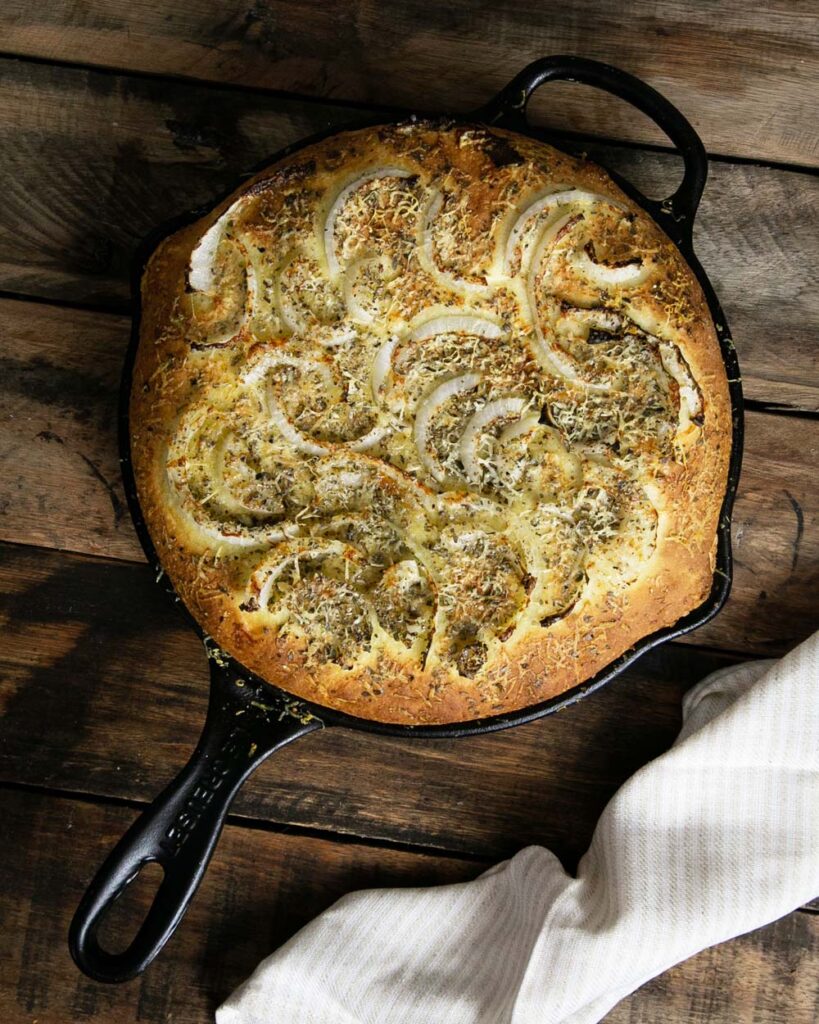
(537, 670)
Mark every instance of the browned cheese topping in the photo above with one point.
(432, 402)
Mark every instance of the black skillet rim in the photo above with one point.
(699, 616)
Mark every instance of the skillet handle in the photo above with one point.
(179, 830)
(508, 109)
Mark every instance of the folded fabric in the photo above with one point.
(717, 837)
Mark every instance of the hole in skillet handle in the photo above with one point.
(244, 725)
(676, 213)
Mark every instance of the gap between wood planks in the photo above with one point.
(745, 77)
(261, 889)
(297, 831)
(261, 824)
(396, 112)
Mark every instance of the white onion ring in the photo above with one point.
(499, 408)
(270, 360)
(241, 536)
(556, 199)
(426, 256)
(273, 573)
(290, 433)
(354, 307)
(602, 319)
(522, 426)
(290, 317)
(630, 275)
(370, 439)
(429, 406)
(256, 375)
(226, 499)
(257, 538)
(201, 269)
(381, 365)
(457, 323)
(337, 339)
(552, 362)
(287, 430)
(675, 366)
(340, 200)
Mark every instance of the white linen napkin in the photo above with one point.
(717, 837)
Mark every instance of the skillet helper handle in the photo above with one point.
(180, 829)
(508, 109)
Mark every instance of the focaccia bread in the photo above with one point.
(429, 422)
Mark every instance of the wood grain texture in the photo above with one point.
(60, 481)
(261, 888)
(111, 158)
(102, 683)
(768, 975)
(744, 74)
(103, 689)
(775, 541)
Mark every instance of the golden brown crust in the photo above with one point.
(250, 321)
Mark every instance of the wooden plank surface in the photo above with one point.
(91, 163)
(261, 887)
(60, 483)
(744, 74)
(103, 685)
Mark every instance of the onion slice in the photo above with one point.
(629, 275)
(548, 359)
(456, 323)
(356, 311)
(601, 319)
(201, 271)
(256, 375)
(236, 534)
(675, 366)
(269, 360)
(270, 573)
(354, 307)
(338, 203)
(290, 433)
(498, 409)
(550, 356)
(550, 200)
(287, 311)
(381, 365)
(370, 439)
(427, 409)
(522, 426)
(426, 256)
(337, 338)
(255, 537)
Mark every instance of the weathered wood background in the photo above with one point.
(115, 116)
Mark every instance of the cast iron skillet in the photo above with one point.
(248, 718)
